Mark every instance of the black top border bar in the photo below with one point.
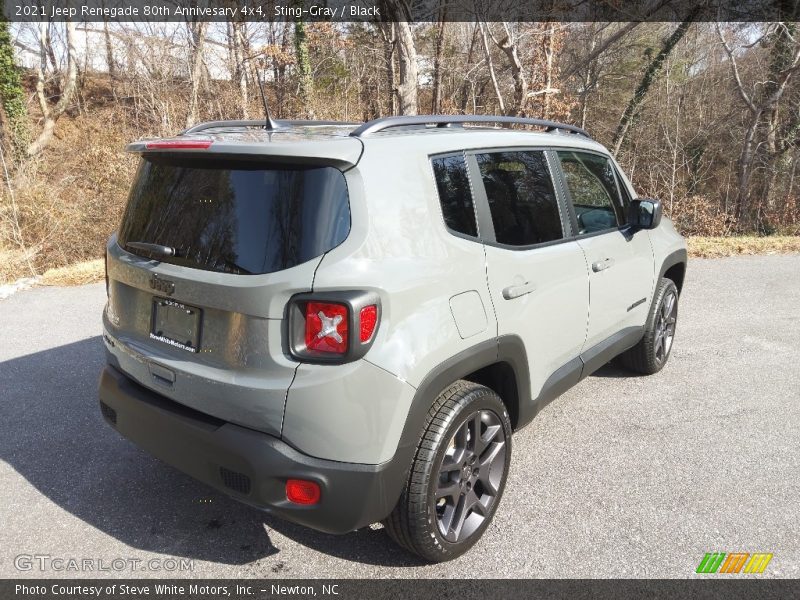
(402, 10)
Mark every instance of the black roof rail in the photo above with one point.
(261, 123)
(449, 120)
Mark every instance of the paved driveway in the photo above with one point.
(622, 476)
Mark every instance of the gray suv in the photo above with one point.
(344, 323)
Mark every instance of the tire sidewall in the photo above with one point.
(477, 400)
(665, 287)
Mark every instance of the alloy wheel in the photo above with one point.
(470, 476)
(665, 326)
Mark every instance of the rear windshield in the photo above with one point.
(234, 216)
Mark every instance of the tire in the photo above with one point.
(451, 477)
(652, 352)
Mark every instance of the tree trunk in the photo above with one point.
(509, 48)
(548, 43)
(490, 65)
(647, 80)
(408, 73)
(50, 52)
(744, 165)
(407, 84)
(306, 87)
(436, 97)
(389, 42)
(198, 31)
(112, 66)
(465, 86)
(67, 89)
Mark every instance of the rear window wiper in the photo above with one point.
(153, 248)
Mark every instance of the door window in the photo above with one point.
(521, 196)
(455, 194)
(592, 186)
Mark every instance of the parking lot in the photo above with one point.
(620, 477)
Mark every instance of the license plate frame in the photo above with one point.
(176, 324)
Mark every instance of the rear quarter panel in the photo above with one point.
(400, 249)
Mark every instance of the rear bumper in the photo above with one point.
(249, 465)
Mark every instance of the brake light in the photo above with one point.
(369, 318)
(301, 491)
(326, 327)
(179, 144)
(332, 327)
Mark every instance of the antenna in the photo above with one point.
(269, 123)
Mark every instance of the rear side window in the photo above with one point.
(455, 194)
(235, 216)
(592, 185)
(521, 197)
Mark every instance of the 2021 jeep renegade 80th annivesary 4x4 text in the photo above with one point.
(343, 325)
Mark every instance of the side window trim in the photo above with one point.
(562, 192)
(486, 232)
(563, 183)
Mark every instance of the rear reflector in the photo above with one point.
(369, 318)
(179, 145)
(326, 327)
(301, 491)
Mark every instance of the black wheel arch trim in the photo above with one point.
(674, 258)
(507, 348)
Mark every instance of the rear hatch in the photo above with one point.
(210, 249)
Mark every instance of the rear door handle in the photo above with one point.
(602, 265)
(515, 291)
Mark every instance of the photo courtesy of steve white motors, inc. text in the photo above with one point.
(170, 590)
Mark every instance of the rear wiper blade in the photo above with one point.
(154, 248)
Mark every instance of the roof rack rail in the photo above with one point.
(448, 120)
(261, 123)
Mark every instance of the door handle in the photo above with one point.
(515, 291)
(602, 265)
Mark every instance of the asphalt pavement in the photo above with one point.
(620, 477)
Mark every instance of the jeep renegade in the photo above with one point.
(343, 324)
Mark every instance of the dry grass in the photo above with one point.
(716, 247)
(90, 271)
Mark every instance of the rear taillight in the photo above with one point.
(326, 327)
(105, 261)
(178, 144)
(332, 327)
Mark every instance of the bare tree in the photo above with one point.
(510, 47)
(408, 72)
(436, 95)
(483, 28)
(649, 76)
(759, 105)
(389, 43)
(67, 87)
(197, 32)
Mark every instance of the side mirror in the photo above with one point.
(645, 213)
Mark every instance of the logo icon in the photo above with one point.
(165, 286)
(734, 562)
